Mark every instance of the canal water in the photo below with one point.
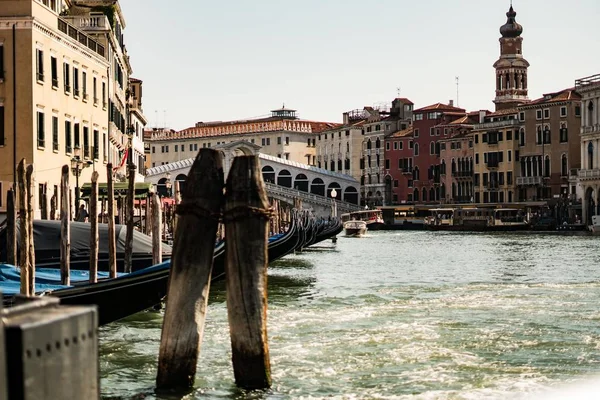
(394, 315)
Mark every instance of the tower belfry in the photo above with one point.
(511, 67)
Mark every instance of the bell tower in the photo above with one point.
(511, 67)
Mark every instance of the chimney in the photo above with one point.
(482, 114)
(451, 103)
(346, 118)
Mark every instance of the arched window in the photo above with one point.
(432, 148)
(522, 137)
(547, 166)
(437, 148)
(590, 155)
(432, 194)
(284, 178)
(443, 171)
(539, 135)
(377, 143)
(268, 174)
(453, 190)
(453, 166)
(416, 149)
(416, 174)
(369, 144)
(564, 133)
(590, 113)
(424, 194)
(416, 195)
(564, 166)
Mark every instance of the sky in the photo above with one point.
(238, 59)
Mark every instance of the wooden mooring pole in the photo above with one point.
(112, 245)
(130, 210)
(93, 215)
(30, 245)
(11, 228)
(191, 267)
(156, 229)
(246, 217)
(65, 229)
(23, 230)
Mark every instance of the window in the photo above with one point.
(578, 111)
(538, 114)
(416, 133)
(484, 138)
(196, 145)
(95, 90)
(416, 149)
(54, 133)
(76, 134)
(522, 137)
(476, 158)
(431, 131)
(564, 165)
(476, 139)
(546, 113)
(54, 71)
(104, 95)
(387, 146)
(564, 133)
(538, 139)
(509, 178)
(279, 140)
(104, 147)
(1, 62)
(153, 149)
(411, 144)
(41, 134)
(75, 82)
(431, 148)
(395, 145)
(563, 111)
(39, 65)
(509, 154)
(68, 142)
(387, 164)
(268, 141)
(86, 142)
(1, 118)
(263, 141)
(84, 85)
(400, 145)
(67, 77)
(418, 117)
(508, 135)
(95, 151)
(521, 116)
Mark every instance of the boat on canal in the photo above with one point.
(373, 218)
(355, 228)
(476, 219)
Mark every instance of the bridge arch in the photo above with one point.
(351, 195)
(161, 187)
(284, 178)
(268, 174)
(337, 187)
(181, 179)
(317, 186)
(301, 183)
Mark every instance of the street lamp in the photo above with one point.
(333, 196)
(168, 184)
(77, 165)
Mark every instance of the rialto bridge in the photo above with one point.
(285, 180)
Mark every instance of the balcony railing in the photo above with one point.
(498, 124)
(74, 33)
(589, 173)
(95, 22)
(462, 174)
(492, 163)
(590, 129)
(529, 180)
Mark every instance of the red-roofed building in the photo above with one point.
(282, 135)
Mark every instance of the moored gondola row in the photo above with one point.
(146, 286)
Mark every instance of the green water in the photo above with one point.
(419, 315)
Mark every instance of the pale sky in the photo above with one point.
(236, 59)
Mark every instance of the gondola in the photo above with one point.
(131, 293)
(46, 238)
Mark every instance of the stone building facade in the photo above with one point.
(282, 135)
(589, 174)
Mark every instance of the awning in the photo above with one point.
(141, 189)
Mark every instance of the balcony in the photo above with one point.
(589, 174)
(493, 163)
(588, 130)
(68, 29)
(95, 22)
(462, 174)
(529, 181)
(407, 171)
(499, 124)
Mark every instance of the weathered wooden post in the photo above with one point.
(156, 229)
(174, 211)
(112, 245)
(11, 228)
(30, 245)
(191, 267)
(130, 211)
(24, 230)
(65, 228)
(94, 228)
(148, 214)
(246, 217)
(44, 201)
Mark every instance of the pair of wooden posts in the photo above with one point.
(246, 215)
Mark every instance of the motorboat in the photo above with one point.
(355, 228)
